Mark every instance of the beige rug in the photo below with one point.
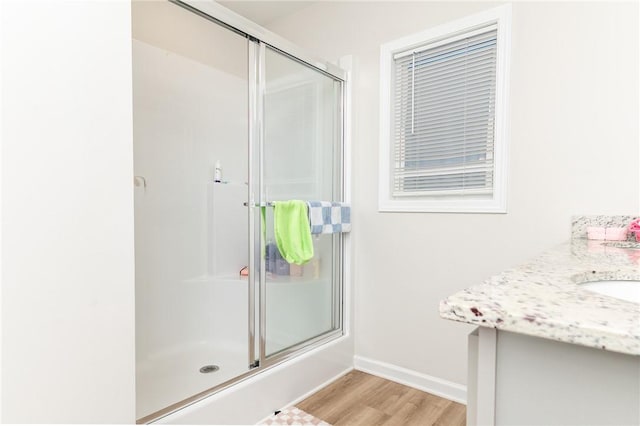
(294, 416)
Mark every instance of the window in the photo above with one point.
(443, 117)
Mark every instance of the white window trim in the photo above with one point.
(498, 203)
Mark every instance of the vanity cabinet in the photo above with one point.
(515, 379)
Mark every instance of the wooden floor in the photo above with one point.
(362, 399)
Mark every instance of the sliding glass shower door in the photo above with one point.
(301, 161)
(190, 86)
(225, 125)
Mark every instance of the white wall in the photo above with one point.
(67, 210)
(1, 199)
(574, 150)
(160, 23)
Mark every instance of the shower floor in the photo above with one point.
(174, 375)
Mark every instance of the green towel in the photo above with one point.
(292, 231)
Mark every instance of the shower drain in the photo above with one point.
(209, 369)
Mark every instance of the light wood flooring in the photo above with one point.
(363, 399)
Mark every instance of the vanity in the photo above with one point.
(556, 344)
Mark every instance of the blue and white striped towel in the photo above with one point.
(326, 217)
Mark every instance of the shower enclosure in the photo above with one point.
(226, 122)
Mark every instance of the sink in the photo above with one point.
(625, 290)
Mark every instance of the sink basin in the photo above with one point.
(625, 290)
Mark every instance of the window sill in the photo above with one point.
(440, 206)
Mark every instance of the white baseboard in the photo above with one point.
(434, 385)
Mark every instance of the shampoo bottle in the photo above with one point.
(217, 175)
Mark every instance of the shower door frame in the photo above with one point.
(259, 40)
(264, 359)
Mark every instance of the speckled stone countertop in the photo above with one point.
(543, 298)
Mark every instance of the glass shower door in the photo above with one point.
(301, 160)
(225, 125)
(190, 86)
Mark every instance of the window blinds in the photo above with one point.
(443, 117)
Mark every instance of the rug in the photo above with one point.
(294, 416)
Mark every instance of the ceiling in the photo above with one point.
(265, 12)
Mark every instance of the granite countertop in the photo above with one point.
(543, 298)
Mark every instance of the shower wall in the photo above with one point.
(183, 126)
(188, 229)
